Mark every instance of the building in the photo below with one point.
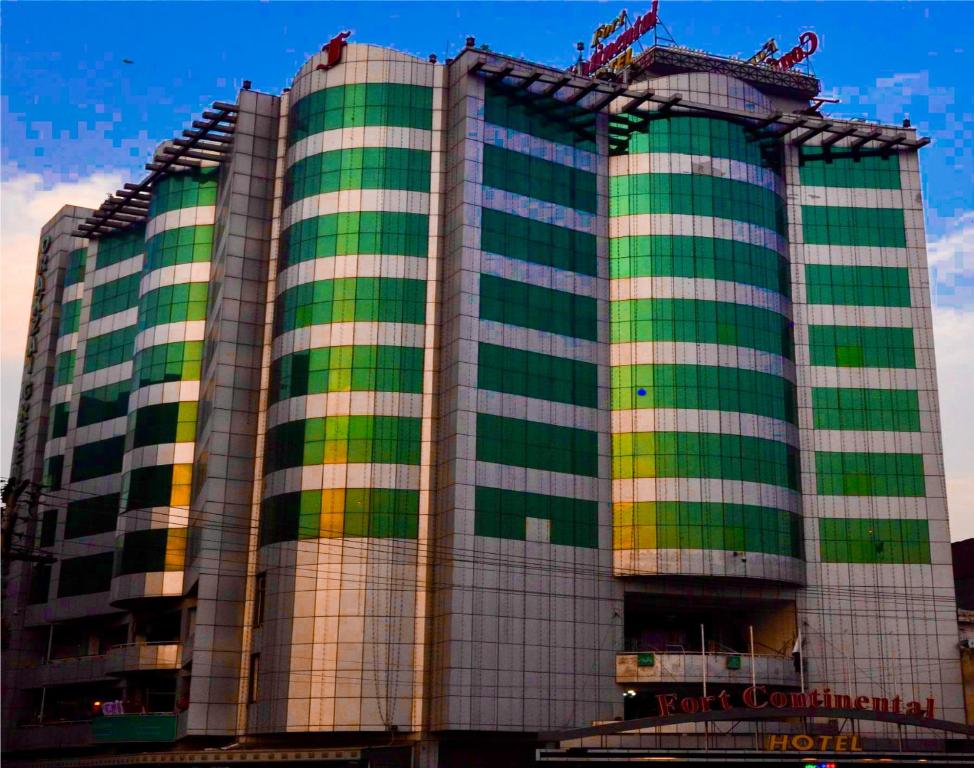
(445, 405)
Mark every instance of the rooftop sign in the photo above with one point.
(807, 45)
(617, 55)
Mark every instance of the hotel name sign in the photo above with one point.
(759, 697)
(617, 55)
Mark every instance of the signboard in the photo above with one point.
(804, 743)
(333, 50)
(134, 728)
(759, 697)
(807, 45)
(617, 55)
(762, 55)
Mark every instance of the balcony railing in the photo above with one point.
(142, 657)
(683, 667)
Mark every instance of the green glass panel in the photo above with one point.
(59, 419)
(103, 403)
(75, 270)
(147, 487)
(857, 286)
(115, 296)
(849, 171)
(178, 361)
(180, 245)
(503, 514)
(343, 439)
(92, 515)
(344, 300)
(701, 322)
(521, 443)
(707, 525)
(347, 369)
(518, 237)
(507, 110)
(358, 168)
(146, 551)
(703, 387)
(853, 346)
(173, 304)
(706, 257)
(64, 368)
(693, 135)
(876, 542)
(40, 584)
(355, 233)
(705, 454)
(361, 104)
(109, 349)
(543, 309)
(187, 189)
(694, 194)
(70, 317)
(539, 179)
(886, 410)
(835, 225)
(365, 512)
(85, 575)
(53, 472)
(113, 249)
(532, 374)
(48, 531)
(97, 459)
(164, 423)
(847, 473)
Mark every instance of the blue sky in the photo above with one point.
(77, 121)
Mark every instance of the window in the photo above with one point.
(260, 594)
(252, 678)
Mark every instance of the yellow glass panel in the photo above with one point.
(332, 513)
(176, 549)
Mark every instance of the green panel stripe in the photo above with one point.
(879, 542)
(188, 189)
(350, 299)
(53, 471)
(343, 440)
(886, 410)
(703, 387)
(173, 304)
(705, 454)
(705, 257)
(854, 346)
(869, 172)
(361, 104)
(540, 179)
(691, 135)
(834, 225)
(115, 248)
(361, 368)
(534, 118)
(503, 514)
(356, 233)
(115, 296)
(180, 245)
(358, 168)
(525, 239)
(380, 513)
(64, 368)
(521, 443)
(97, 459)
(75, 270)
(177, 361)
(70, 317)
(707, 525)
(543, 309)
(163, 423)
(697, 195)
(109, 349)
(532, 374)
(96, 514)
(59, 419)
(857, 286)
(845, 473)
(104, 403)
(701, 322)
(85, 575)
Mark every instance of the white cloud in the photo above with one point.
(27, 206)
(952, 283)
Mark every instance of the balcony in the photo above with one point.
(677, 666)
(142, 657)
(67, 671)
(57, 735)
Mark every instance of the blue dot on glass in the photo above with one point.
(641, 392)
